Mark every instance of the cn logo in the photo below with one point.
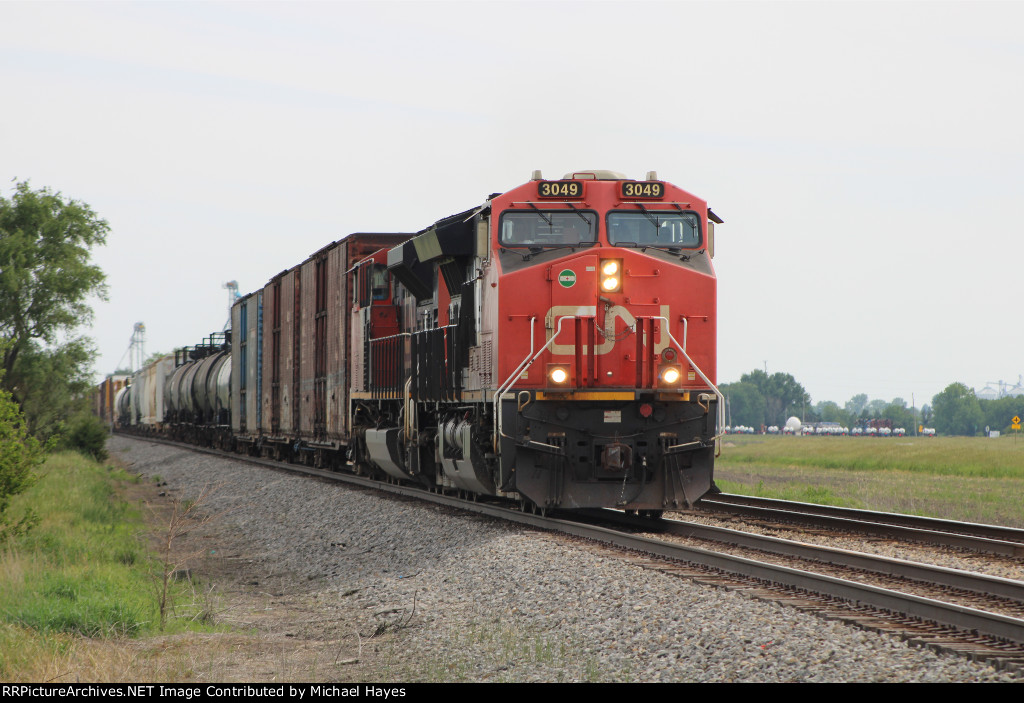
(607, 334)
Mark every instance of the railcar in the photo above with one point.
(293, 355)
(196, 389)
(105, 398)
(143, 404)
(555, 344)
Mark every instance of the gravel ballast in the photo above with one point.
(465, 598)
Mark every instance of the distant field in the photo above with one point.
(960, 478)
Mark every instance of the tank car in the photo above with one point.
(196, 389)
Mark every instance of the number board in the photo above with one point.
(643, 189)
(560, 189)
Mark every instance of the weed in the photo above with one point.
(185, 516)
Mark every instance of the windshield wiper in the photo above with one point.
(649, 216)
(581, 215)
(544, 217)
(503, 250)
(674, 251)
(556, 247)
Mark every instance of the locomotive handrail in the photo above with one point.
(508, 384)
(682, 350)
(531, 357)
(523, 365)
(375, 343)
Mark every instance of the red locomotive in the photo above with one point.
(556, 345)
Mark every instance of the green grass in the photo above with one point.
(802, 492)
(83, 570)
(76, 571)
(950, 456)
(960, 478)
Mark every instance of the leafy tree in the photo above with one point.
(783, 395)
(957, 411)
(900, 416)
(855, 405)
(1000, 412)
(829, 411)
(53, 384)
(875, 408)
(746, 404)
(20, 453)
(45, 280)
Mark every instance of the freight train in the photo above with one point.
(555, 345)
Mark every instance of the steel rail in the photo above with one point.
(928, 530)
(983, 584)
(999, 532)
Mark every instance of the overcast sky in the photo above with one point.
(867, 157)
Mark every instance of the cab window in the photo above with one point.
(379, 282)
(659, 228)
(542, 229)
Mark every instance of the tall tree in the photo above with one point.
(54, 384)
(46, 278)
(957, 411)
(875, 408)
(855, 405)
(830, 411)
(746, 404)
(783, 395)
(999, 413)
(899, 415)
(45, 270)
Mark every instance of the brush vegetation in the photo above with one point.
(81, 572)
(960, 478)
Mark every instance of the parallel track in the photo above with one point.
(992, 539)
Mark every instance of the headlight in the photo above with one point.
(670, 375)
(558, 374)
(611, 275)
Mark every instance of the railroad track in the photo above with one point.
(973, 615)
(991, 539)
